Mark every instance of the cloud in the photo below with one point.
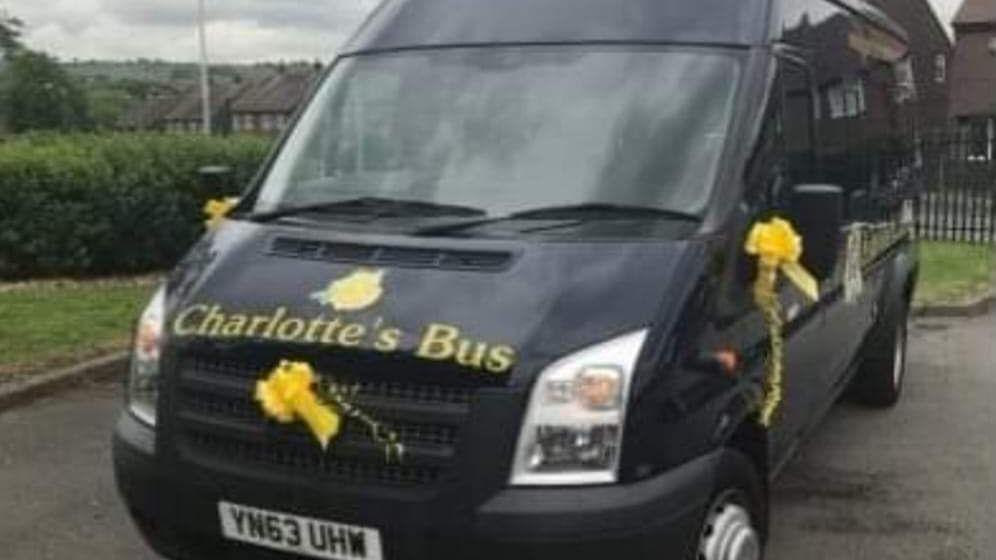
(336, 16)
(945, 10)
(238, 30)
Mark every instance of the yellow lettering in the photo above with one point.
(235, 325)
(438, 342)
(254, 325)
(500, 359)
(291, 330)
(331, 328)
(351, 335)
(313, 326)
(388, 340)
(212, 323)
(471, 354)
(275, 322)
(179, 326)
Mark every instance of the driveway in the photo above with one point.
(912, 483)
(915, 482)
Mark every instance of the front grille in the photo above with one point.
(219, 425)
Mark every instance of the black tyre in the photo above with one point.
(735, 525)
(880, 377)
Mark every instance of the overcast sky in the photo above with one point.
(238, 31)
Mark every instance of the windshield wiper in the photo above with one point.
(574, 212)
(602, 210)
(370, 206)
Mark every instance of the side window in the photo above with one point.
(799, 122)
(864, 138)
(765, 175)
(821, 32)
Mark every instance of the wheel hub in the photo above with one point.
(729, 535)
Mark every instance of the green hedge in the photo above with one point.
(86, 205)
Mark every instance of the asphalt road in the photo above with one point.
(913, 483)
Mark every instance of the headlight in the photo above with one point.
(573, 428)
(143, 376)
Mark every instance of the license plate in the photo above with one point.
(300, 535)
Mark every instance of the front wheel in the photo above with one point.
(734, 524)
(882, 372)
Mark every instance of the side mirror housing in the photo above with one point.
(857, 206)
(216, 179)
(818, 214)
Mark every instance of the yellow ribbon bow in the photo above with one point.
(777, 247)
(216, 210)
(287, 395)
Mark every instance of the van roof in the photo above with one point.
(400, 24)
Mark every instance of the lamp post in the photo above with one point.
(205, 82)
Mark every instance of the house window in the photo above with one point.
(267, 123)
(835, 97)
(940, 68)
(905, 81)
(846, 99)
(858, 93)
(980, 133)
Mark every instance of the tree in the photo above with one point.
(107, 105)
(10, 34)
(40, 95)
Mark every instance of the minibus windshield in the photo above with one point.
(509, 129)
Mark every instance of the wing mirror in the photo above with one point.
(216, 180)
(817, 212)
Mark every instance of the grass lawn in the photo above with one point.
(51, 324)
(954, 272)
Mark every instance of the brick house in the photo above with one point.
(267, 106)
(149, 113)
(185, 116)
(931, 55)
(973, 78)
(846, 85)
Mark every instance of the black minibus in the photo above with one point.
(552, 279)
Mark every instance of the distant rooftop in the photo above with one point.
(976, 11)
(280, 93)
(189, 106)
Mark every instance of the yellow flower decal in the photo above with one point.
(217, 209)
(355, 292)
(777, 247)
(288, 395)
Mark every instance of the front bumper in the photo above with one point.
(176, 511)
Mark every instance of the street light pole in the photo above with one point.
(205, 82)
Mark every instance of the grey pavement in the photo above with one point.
(57, 494)
(915, 482)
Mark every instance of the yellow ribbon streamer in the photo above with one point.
(288, 394)
(216, 210)
(777, 247)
